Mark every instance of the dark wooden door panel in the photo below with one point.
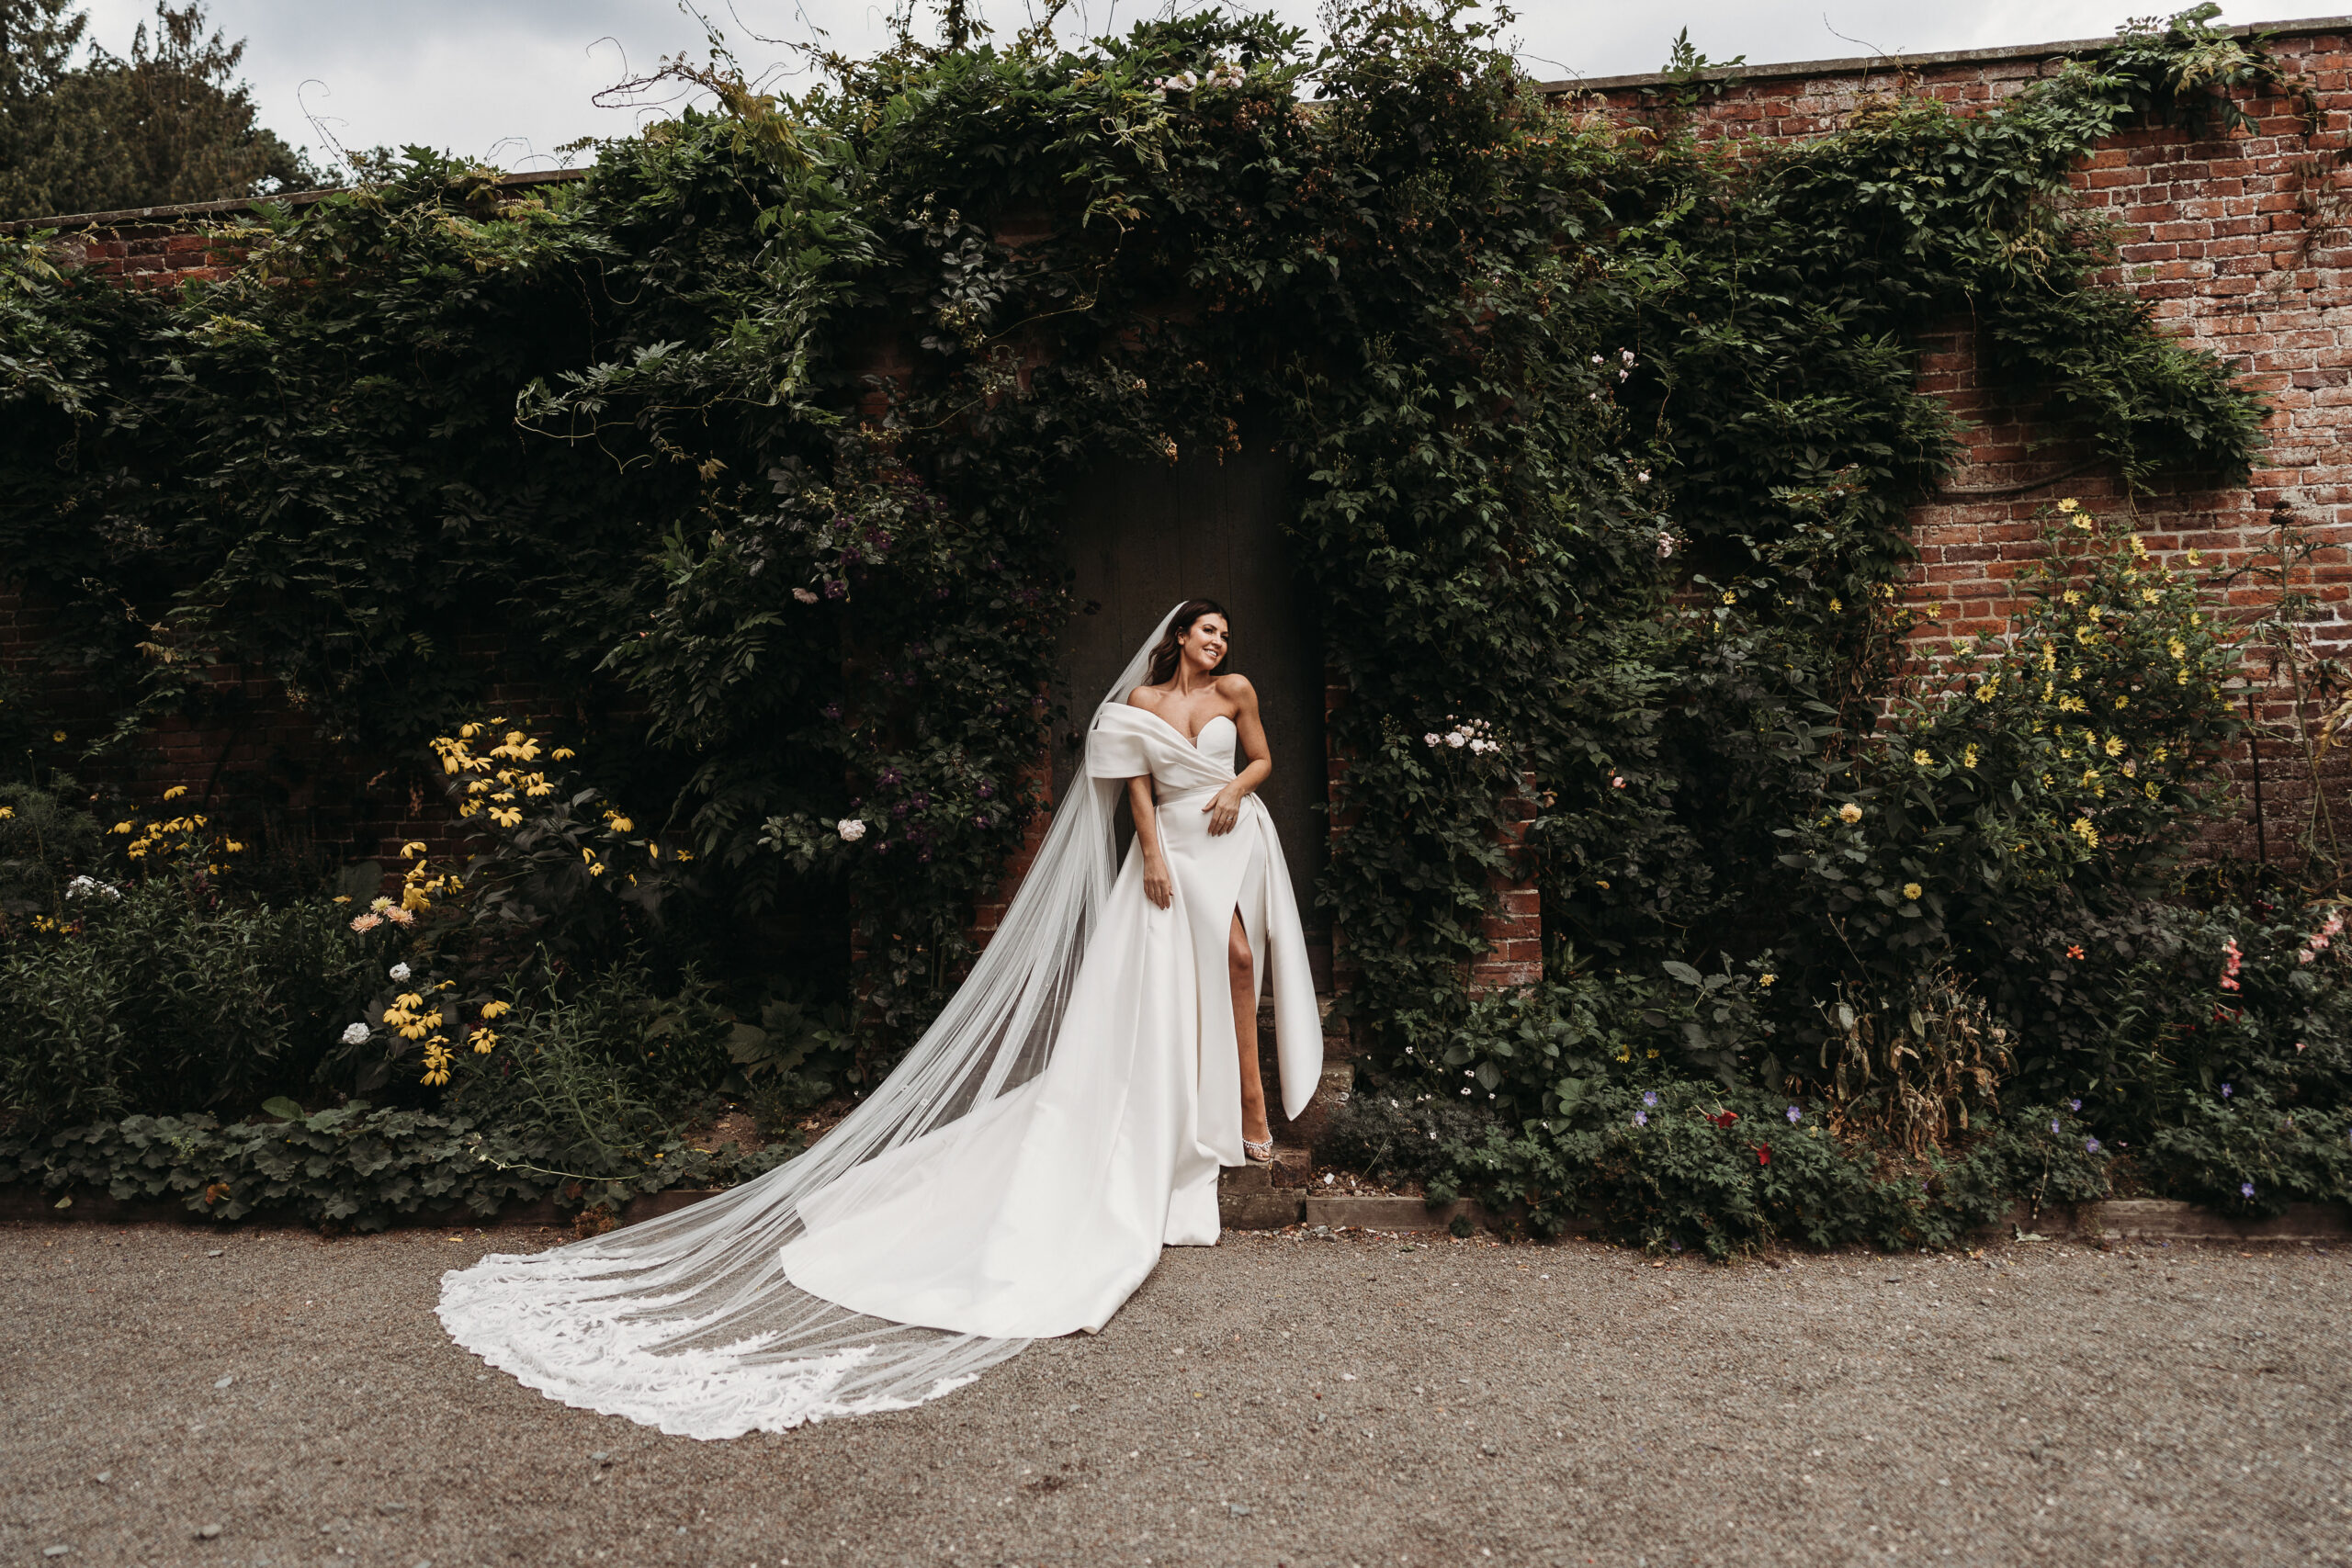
(1144, 535)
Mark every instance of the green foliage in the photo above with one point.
(164, 993)
(43, 842)
(800, 1054)
(1679, 1164)
(2062, 760)
(561, 867)
(598, 1077)
(357, 1166)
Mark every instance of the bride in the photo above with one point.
(1017, 1175)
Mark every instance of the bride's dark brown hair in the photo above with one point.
(1163, 668)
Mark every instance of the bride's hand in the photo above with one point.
(1224, 809)
(1155, 884)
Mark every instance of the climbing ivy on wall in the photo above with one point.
(1607, 435)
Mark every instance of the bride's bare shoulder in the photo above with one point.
(1238, 690)
(1144, 697)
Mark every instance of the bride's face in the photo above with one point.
(1204, 644)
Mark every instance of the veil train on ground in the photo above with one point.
(688, 1323)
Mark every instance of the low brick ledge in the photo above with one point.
(2111, 1220)
(1257, 1205)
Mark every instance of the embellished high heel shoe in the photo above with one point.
(1258, 1154)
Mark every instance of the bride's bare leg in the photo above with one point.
(1239, 969)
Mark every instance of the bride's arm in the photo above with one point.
(1224, 807)
(1155, 884)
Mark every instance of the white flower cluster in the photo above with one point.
(1625, 361)
(850, 828)
(91, 887)
(1186, 82)
(356, 1035)
(397, 971)
(1667, 543)
(1473, 733)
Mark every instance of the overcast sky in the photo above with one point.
(513, 80)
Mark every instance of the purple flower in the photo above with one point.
(981, 819)
(889, 776)
(1641, 1118)
(1649, 1097)
(921, 801)
(2227, 1091)
(2246, 1189)
(830, 710)
(2074, 1105)
(908, 679)
(918, 652)
(1795, 1116)
(880, 539)
(899, 809)
(925, 857)
(986, 792)
(836, 589)
(2090, 1146)
(2054, 1127)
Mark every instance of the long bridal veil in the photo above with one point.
(687, 1323)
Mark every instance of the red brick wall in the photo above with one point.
(2239, 243)
(151, 256)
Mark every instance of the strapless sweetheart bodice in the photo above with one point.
(1210, 743)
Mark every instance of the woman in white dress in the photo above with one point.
(1016, 1176)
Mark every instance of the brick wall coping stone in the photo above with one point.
(1852, 66)
(1865, 64)
(171, 216)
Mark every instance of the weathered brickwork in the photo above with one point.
(2240, 244)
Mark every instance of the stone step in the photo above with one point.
(1264, 1198)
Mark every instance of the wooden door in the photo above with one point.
(1143, 536)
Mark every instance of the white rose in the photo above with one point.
(1455, 739)
(850, 829)
(399, 971)
(356, 1035)
(1432, 737)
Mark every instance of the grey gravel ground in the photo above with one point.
(1274, 1401)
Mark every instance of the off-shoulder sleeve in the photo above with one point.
(1117, 748)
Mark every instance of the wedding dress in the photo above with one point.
(1014, 1178)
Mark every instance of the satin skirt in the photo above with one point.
(1040, 1212)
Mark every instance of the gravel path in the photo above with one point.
(1275, 1399)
